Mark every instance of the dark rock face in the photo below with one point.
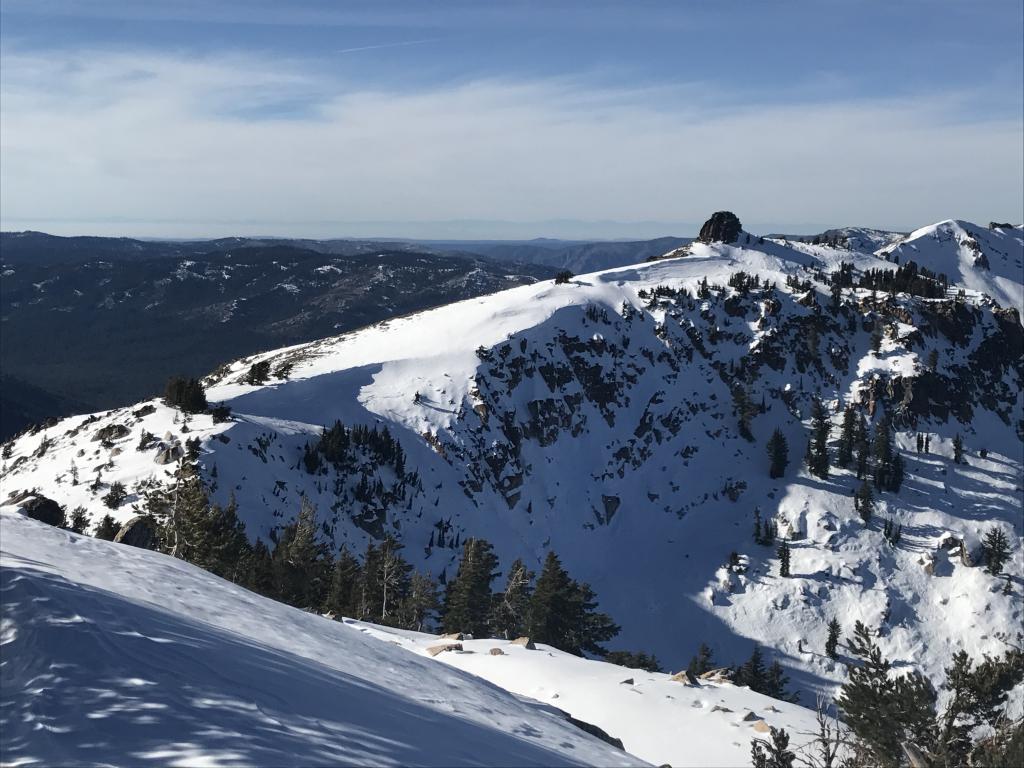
(140, 531)
(722, 227)
(44, 510)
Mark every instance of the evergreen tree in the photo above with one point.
(79, 520)
(862, 444)
(775, 683)
(864, 502)
(752, 673)
(997, 550)
(467, 603)
(847, 437)
(562, 612)
(508, 619)
(817, 450)
(421, 603)
(745, 410)
(881, 451)
(107, 529)
(702, 662)
(186, 394)
(784, 555)
(883, 711)
(634, 660)
(394, 579)
(774, 753)
(778, 455)
(342, 596)
(302, 561)
(259, 570)
(833, 638)
(958, 449)
(116, 495)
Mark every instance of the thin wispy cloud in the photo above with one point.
(186, 140)
(401, 44)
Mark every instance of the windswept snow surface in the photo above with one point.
(661, 720)
(111, 655)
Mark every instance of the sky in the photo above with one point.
(507, 119)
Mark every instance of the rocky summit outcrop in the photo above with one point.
(722, 227)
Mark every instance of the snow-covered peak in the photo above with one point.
(989, 261)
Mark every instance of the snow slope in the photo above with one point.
(661, 720)
(596, 418)
(115, 655)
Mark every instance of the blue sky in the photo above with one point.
(507, 119)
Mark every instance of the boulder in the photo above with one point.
(453, 636)
(685, 677)
(43, 509)
(496, 652)
(111, 432)
(627, 681)
(526, 642)
(140, 532)
(720, 675)
(750, 717)
(169, 455)
(720, 708)
(434, 650)
(722, 227)
(761, 726)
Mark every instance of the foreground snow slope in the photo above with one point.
(597, 418)
(115, 655)
(662, 720)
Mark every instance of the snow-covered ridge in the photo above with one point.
(597, 418)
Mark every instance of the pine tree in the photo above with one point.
(776, 681)
(394, 579)
(817, 450)
(745, 410)
(562, 612)
(958, 449)
(421, 603)
(342, 596)
(774, 753)
(302, 561)
(778, 455)
(752, 673)
(116, 495)
(784, 556)
(833, 638)
(847, 437)
(258, 570)
(861, 441)
(703, 661)
(881, 453)
(864, 502)
(997, 550)
(883, 711)
(79, 520)
(508, 618)
(467, 603)
(107, 529)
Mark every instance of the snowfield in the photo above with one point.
(113, 655)
(596, 418)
